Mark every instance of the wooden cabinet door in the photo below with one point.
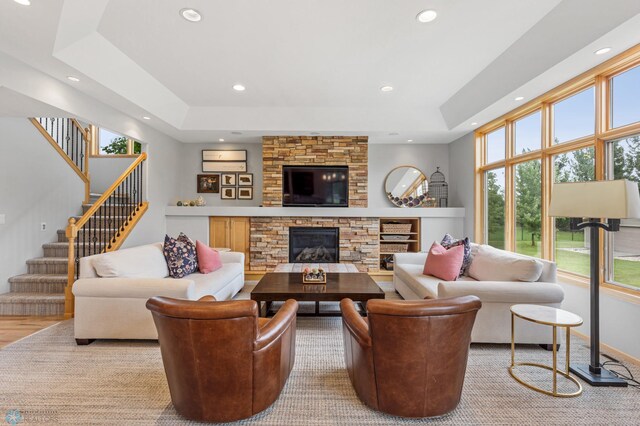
(239, 236)
(219, 232)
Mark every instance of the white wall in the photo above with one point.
(462, 164)
(104, 171)
(36, 186)
(191, 167)
(385, 157)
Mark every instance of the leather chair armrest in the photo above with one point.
(207, 298)
(278, 325)
(356, 325)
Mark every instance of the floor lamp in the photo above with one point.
(614, 200)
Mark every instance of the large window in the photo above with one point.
(623, 161)
(111, 143)
(587, 129)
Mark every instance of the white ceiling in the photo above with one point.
(314, 65)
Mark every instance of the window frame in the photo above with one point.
(94, 152)
(601, 78)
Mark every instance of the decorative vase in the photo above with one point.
(200, 202)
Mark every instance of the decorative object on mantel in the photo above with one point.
(406, 186)
(209, 184)
(245, 179)
(229, 193)
(229, 179)
(314, 276)
(200, 202)
(438, 188)
(245, 193)
(224, 161)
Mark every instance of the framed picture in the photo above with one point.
(223, 155)
(245, 193)
(229, 179)
(209, 184)
(245, 179)
(224, 166)
(228, 193)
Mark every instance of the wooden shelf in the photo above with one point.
(413, 243)
(398, 241)
(398, 233)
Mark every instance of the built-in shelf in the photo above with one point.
(412, 225)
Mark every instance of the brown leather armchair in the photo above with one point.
(408, 358)
(222, 362)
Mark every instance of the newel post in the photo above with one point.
(71, 233)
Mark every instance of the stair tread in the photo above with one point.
(48, 260)
(65, 244)
(31, 298)
(27, 278)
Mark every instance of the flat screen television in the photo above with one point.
(315, 186)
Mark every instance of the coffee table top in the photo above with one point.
(289, 285)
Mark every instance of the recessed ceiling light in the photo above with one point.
(474, 123)
(191, 15)
(519, 98)
(72, 78)
(23, 2)
(239, 88)
(409, 140)
(602, 51)
(220, 140)
(146, 118)
(236, 133)
(427, 16)
(386, 89)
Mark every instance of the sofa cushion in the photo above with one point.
(491, 264)
(208, 258)
(180, 254)
(443, 263)
(504, 292)
(425, 286)
(212, 283)
(448, 242)
(144, 261)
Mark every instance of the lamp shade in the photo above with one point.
(611, 199)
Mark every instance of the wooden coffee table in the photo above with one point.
(280, 286)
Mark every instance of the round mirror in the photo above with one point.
(406, 186)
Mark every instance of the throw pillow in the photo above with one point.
(180, 254)
(442, 263)
(448, 241)
(208, 258)
(492, 264)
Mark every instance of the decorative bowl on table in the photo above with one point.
(314, 276)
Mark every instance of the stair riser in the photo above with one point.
(37, 287)
(35, 309)
(107, 210)
(47, 268)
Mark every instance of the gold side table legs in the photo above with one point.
(553, 368)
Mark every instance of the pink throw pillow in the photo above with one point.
(442, 263)
(208, 258)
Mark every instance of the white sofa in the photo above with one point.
(112, 305)
(493, 322)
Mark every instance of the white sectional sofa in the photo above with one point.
(113, 288)
(493, 322)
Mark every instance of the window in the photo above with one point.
(495, 181)
(111, 143)
(623, 254)
(625, 98)
(495, 145)
(574, 117)
(571, 246)
(528, 134)
(528, 202)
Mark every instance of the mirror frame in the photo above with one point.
(407, 203)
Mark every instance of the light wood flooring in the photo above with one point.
(14, 328)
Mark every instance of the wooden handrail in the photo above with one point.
(105, 196)
(85, 133)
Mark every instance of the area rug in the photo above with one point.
(49, 380)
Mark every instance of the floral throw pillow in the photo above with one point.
(448, 242)
(180, 254)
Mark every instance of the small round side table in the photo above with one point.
(555, 318)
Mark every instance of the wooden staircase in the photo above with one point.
(41, 291)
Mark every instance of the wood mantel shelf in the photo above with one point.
(389, 212)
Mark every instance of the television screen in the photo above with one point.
(315, 186)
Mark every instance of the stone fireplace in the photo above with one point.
(314, 244)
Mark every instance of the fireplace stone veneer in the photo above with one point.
(358, 244)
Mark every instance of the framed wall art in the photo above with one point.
(245, 193)
(215, 160)
(229, 179)
(224, 166)
(228, 193)
(209, 184)
(245, 179)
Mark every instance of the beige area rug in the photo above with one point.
(51, 381)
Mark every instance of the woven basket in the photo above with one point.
(396, 227)
(394, 248)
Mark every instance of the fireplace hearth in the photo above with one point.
(314, 245)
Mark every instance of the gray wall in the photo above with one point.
(37, 186)
(385, 157)
(190, 166)
(461, 161)
(105, 170)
